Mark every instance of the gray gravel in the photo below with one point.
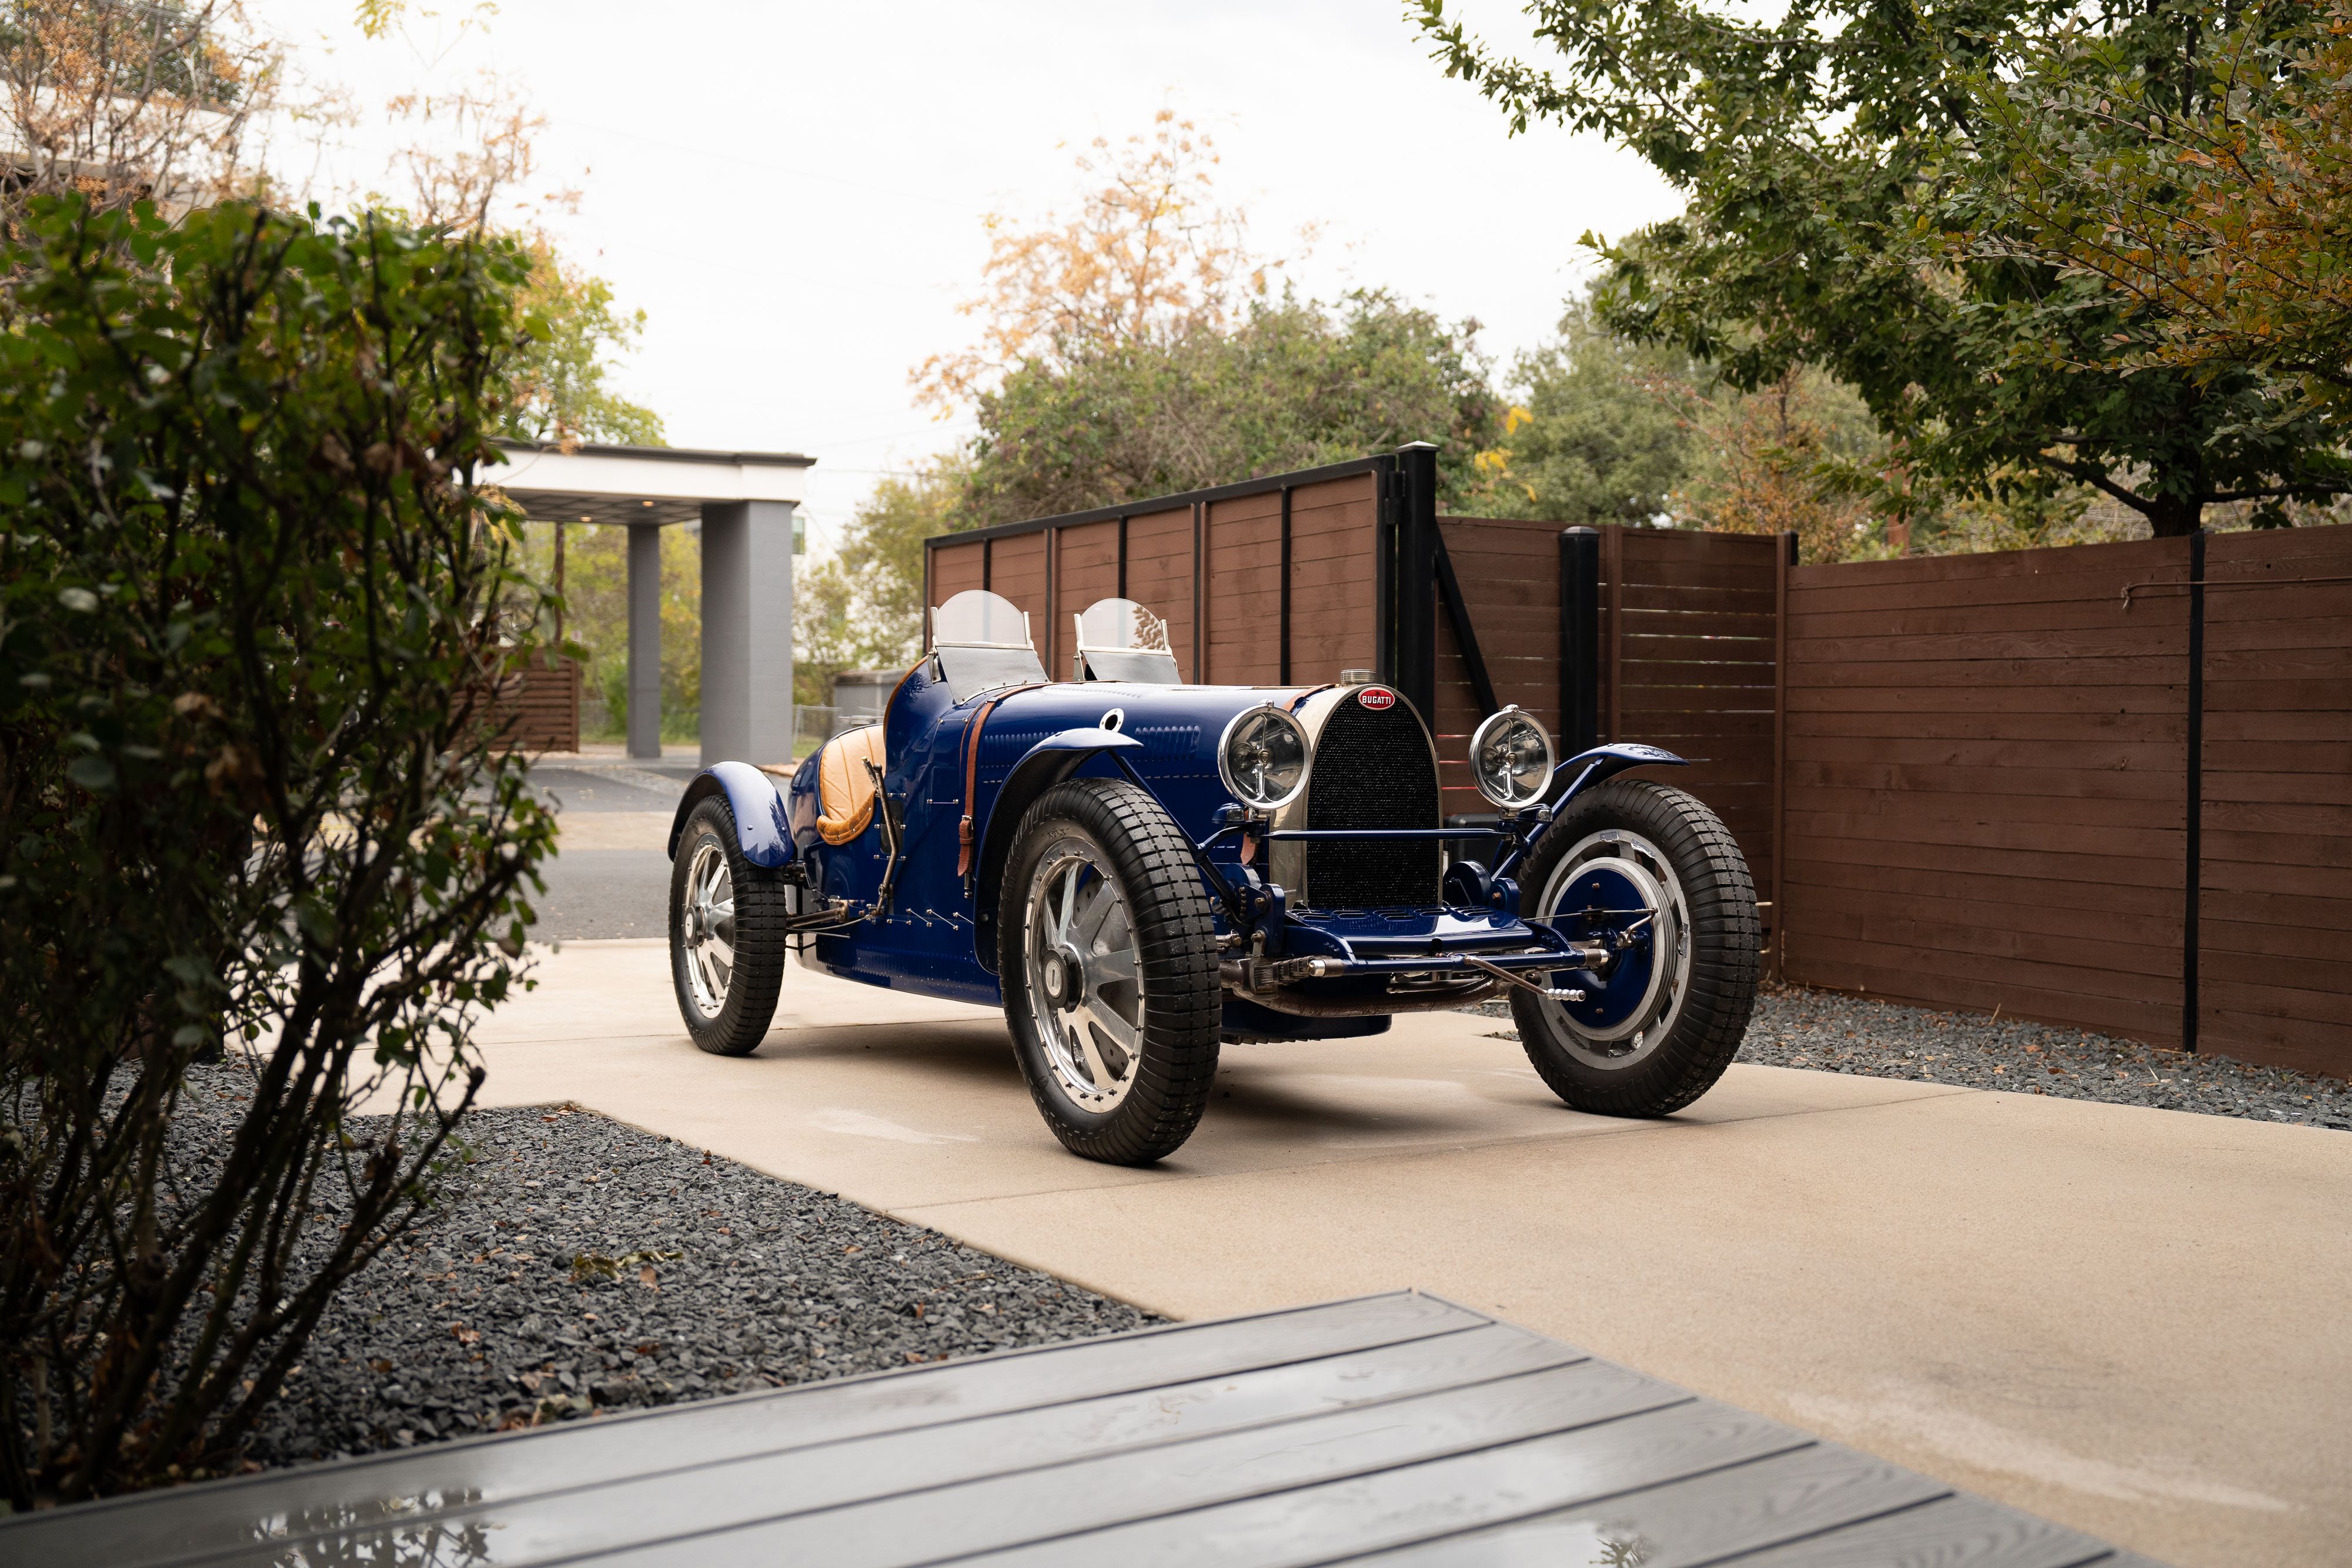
(1826, 1033)
(579, 1266)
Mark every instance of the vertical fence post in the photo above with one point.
(2193, 873)
(1387, 504)
(1283, 677)
(1614, 565)
(1053, 601)
(1580, 640)
(1200, 595)
(1785, 558)
(1416, 578)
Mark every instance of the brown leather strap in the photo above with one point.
(971, 773)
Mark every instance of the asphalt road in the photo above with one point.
(605, 892)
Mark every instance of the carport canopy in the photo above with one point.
(745, 502)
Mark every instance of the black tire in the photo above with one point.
(1151, 1098)
(755, 931)
(1681, 1040)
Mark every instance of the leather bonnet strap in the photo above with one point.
(971, 773)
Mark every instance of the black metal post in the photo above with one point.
(1416, 579)
(2194, 871)
(1388, 503)
(1580, 640)
(1465, 634)
(1283, 677)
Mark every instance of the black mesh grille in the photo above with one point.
(1372, 769)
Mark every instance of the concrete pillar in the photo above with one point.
(746, 631)
(645, 641)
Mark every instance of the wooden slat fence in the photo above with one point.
(539, 707)
(1989, 790)
(2274, 926)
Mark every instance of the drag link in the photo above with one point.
(1512, 978)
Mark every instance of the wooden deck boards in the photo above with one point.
(1400, 1429)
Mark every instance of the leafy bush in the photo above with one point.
(252, 614)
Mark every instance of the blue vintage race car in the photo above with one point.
(1139, 871)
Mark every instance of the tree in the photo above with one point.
(2219, 214)
(1601, 434)
(862, 608)
(1816, 152)
(1149, 258)
(254, 607)
(1294, 384)
(558, 391)
(121, 103)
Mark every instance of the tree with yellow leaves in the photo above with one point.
(1150, 255)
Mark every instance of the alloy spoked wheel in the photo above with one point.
(708, 918)
(1622, 886)
(1650, 874)
(1109, 956)
(728, 942)
(1086, 990)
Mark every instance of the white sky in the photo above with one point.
(794, 193)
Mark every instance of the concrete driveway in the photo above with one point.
(2132, 1321)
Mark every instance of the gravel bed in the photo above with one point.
(1827, 1032)
(579, 1266)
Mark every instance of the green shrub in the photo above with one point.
(252, 612)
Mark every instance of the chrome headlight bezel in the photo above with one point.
(1511, 716)
(1230, 776)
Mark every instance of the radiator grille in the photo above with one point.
(1372, 769)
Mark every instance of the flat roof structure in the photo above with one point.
(591, 483)
(744, 502)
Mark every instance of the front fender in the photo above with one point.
(759, 806)
(1041, 767)
(1605, 762)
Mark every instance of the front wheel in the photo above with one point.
(1649, 870)
(727, 943)
(1109, 966)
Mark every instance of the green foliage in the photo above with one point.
(253, 614)
(1294, 384)
(557, 368)
(2211, 194)
(1602, 434)
(596, 620)
(862, 608)
(1816, 153)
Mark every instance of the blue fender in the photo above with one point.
(1604, 762)
(1041, 767)
(759, 806)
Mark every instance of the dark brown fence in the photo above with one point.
(2274, 977)
(539, 707)
(2107, 786)
(1986, 783)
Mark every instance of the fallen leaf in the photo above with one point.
(646, 1276)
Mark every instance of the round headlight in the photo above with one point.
(1262, 758)
(1510, 759)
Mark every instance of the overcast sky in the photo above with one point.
(794, 193)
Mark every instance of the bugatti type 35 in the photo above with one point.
(1140, 871)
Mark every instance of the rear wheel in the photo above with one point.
(1109, 968)
(727, 945)
(1650, 869)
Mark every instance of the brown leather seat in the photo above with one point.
(844, 787)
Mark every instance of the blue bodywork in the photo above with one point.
(935, 933)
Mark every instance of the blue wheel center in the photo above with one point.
(1599, 907)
